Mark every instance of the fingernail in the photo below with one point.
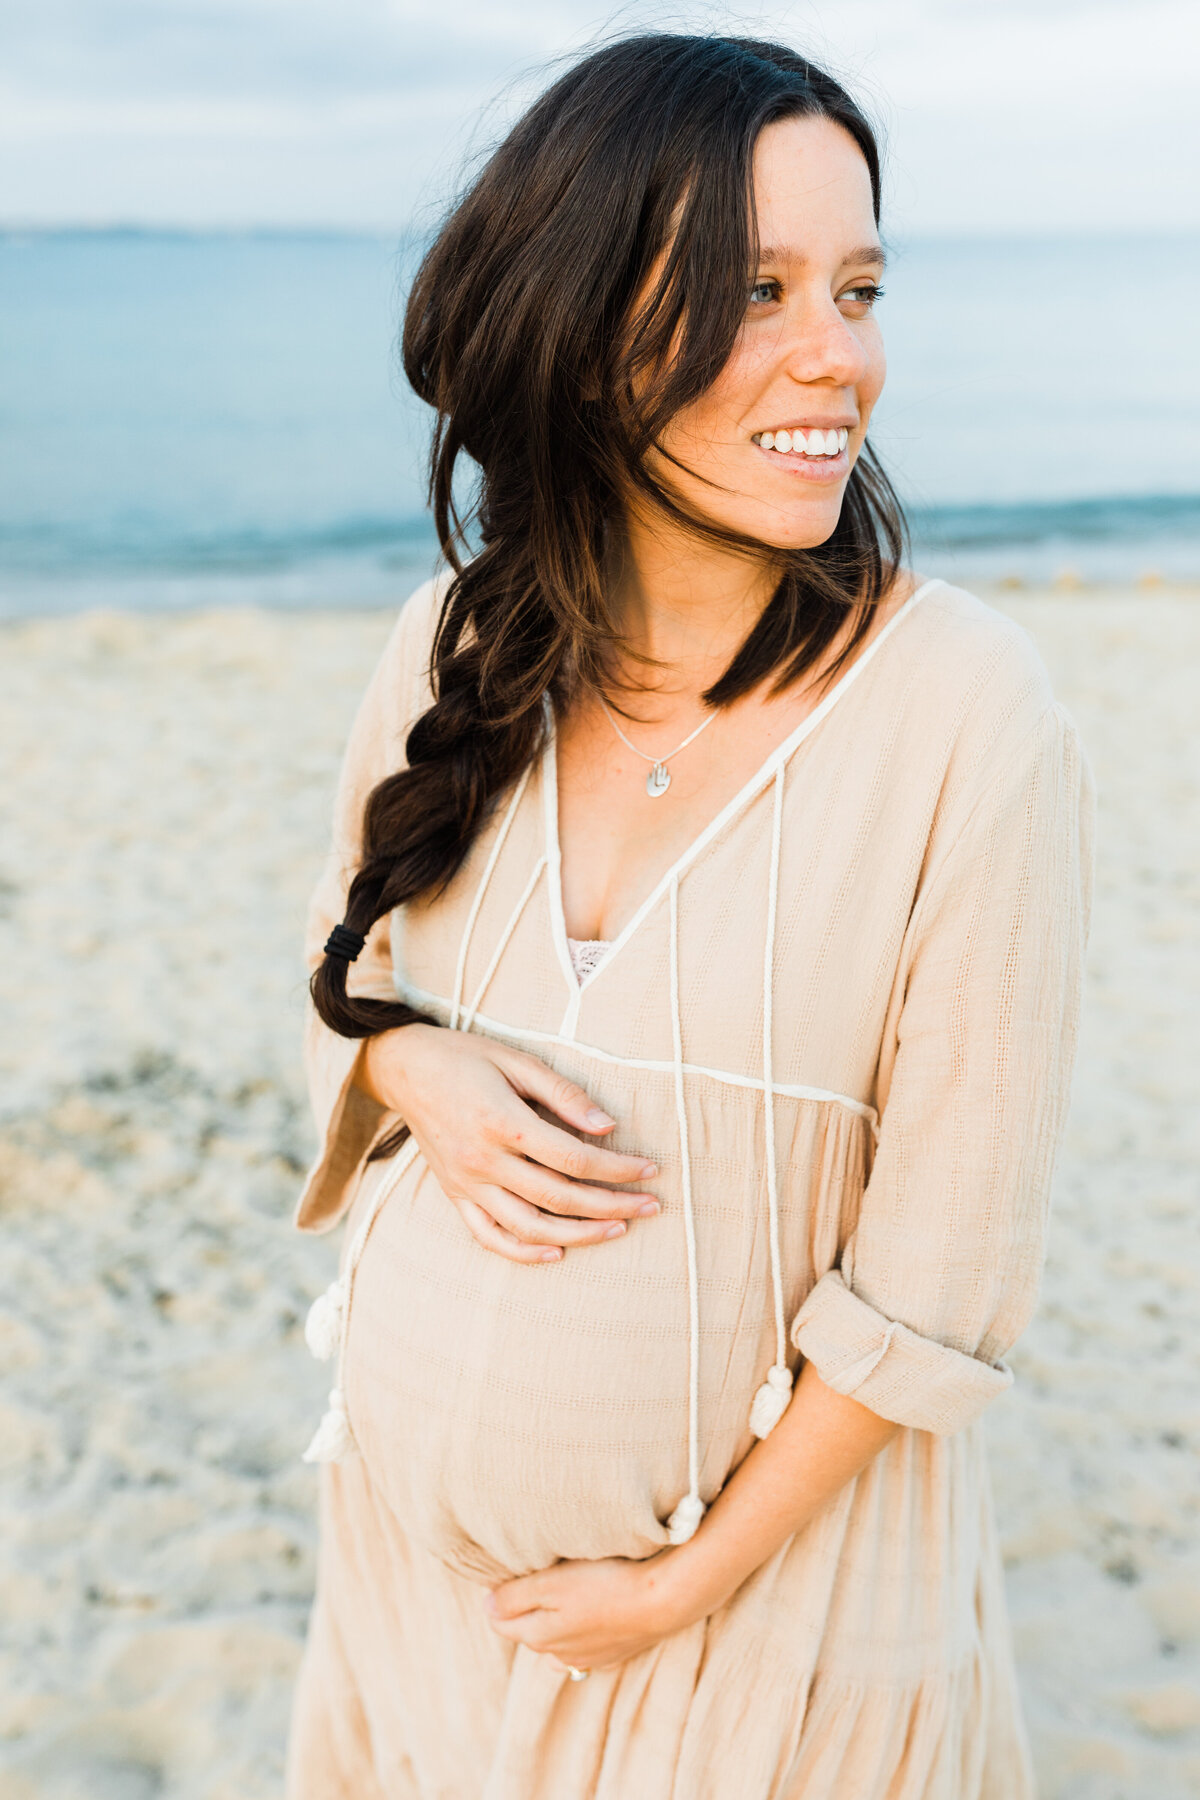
(647, 1211)
(599, 1121)
(550, 1255)
(615, 1231)
(649, 1170)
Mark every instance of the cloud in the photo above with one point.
(217, 49)
(1046, 113)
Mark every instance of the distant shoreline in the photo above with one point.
(1117, 541)
(413, 233)
(163, 598)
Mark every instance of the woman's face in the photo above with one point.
(779, 431)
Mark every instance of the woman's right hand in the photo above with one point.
(521, 1185)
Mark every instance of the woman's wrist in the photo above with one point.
(682, 1587)
(380, 1070)
(823, 1441)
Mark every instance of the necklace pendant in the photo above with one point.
(657, 781)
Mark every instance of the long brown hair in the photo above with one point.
(529, 333)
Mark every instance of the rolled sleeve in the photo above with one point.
(940, 1273)
(882, 1364)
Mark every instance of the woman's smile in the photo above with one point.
(813, 453)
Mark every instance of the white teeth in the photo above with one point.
(801, 443)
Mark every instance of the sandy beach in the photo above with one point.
(164, 806)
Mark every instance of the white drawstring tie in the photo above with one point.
(771, 1401)
(691, 1509)
(328, 1316)
(467, 1018)
(333, 1440)
(464, 944)
(323, 1327)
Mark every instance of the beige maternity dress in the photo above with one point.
(843, 1025)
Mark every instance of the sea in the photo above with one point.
(193, 419)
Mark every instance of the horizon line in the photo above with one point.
(120, 227)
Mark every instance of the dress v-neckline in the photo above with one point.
(701, 841)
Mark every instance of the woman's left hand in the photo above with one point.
(590, 1615)
(587, 1615)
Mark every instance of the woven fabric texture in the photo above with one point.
(934, 870)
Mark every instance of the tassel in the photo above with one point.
(323, 1327)
(771, 1401)
(683, 1521)
(333, 1440)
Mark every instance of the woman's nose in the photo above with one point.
(822, 347)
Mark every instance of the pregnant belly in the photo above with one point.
(514, 1415)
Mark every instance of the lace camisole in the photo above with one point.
(587, 954)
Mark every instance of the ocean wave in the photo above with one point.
(1102, 519)
(154, 548)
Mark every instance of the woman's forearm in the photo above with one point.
(597, 1613)
(822, 1441)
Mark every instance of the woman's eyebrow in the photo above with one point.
(873, 254)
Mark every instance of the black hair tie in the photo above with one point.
(342, 941)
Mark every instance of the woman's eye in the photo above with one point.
(763, 292)
(864, 295)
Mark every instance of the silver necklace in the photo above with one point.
(659, 779)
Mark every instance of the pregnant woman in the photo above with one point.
(695, 981)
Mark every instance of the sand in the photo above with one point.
(164, 804)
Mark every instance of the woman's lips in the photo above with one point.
(820, 469)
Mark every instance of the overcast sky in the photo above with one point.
(1001, 115)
